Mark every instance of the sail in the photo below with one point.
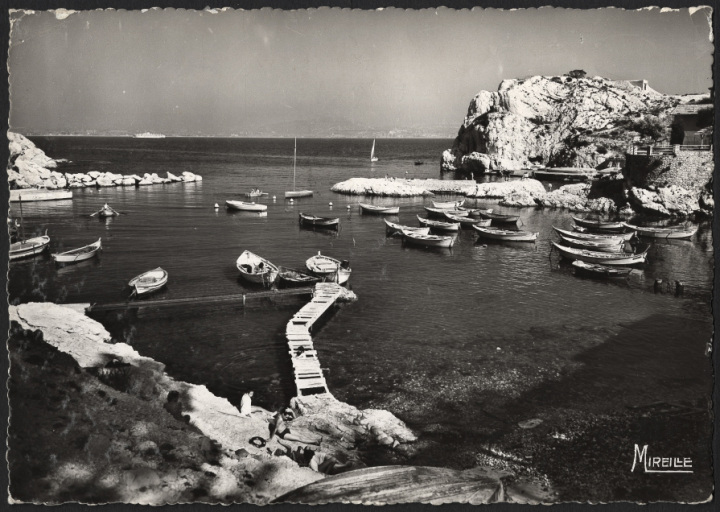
(373, 158)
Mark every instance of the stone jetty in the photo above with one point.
(30, 167)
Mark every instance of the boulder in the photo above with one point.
(173, 178)
(94, 174)
(104, 181)
(144, 182)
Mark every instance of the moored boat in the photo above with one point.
(329, 268)
(256, 192)
(440, 212)
(415, 238)
(395, 229)
(295, 277)
(439, 226)
(505, 234)
(245, 206)
(476, 212)
(498, 218)
(149, 282)
(448, 204)
(291, 194)
(592, 245)
(256, 269)
(29, 247)
(599, 271)
(598, 224)
(597, 237)
(466, 222)
(605, 258)
(319, 222)
(81, 254)
(657, 232)
(379, 210)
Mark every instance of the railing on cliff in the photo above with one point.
(638, 149)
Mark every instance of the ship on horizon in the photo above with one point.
(149, 135)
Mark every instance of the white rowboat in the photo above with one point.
(81, 254)
(395, 229)
(604, 258)
(448, 205)
(505, 234)
(245, 206)
(256, 269)
(329, 268)
(439, 226)
(428, 240)
(610, 238)
(379, 210)
(29, 247)
(651, 232)
(149, 282)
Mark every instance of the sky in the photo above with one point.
(323, 72)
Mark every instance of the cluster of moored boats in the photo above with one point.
(441, 233)
(597, 248)
(257, 270)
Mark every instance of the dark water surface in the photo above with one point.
(432, 318)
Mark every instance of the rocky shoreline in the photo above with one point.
(30, 167)
(93, 421)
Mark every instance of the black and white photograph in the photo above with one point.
(362, 255)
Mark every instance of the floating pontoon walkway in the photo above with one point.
(237, 299)
(309, 378)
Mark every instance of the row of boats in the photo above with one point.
(258, 270)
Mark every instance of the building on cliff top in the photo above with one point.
(640, 84)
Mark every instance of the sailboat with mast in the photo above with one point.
(28, 246)
(296, 193)
(373, 158)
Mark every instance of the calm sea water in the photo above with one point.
(422, 316)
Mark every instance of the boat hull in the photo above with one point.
(29, 247)
(379, 210)
(149, 282)
(508, 236)
(599, 224)
(37, 194)
(81, 254)
(292, 194)
(245, 207)
(608, 239)
(412, 238)
(599, 271)
(497, 218)
(292, 277)
(603, 258)
(615, 246)
(329, 269)
(445, 227)
(448, 204)
(319, 222)
(648, 232)
(394, 229)
(256, 269)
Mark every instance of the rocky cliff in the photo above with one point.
(556, 121)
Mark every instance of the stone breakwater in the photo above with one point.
(393, 187)
(139, 449)
(30, 167)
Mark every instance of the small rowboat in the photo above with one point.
(599, 271)
(439, 226)
(379, 210)
(598, 224)
(256, 269)
(397, 229)
(256, 192)
(106, 211)
(498, 218)
(329, 268)
(245, 206)
(507, 235)
(440, 212)
(651, 232)
(605, 258)
(476, 212)
(29, 247)
(610, 239)
(415, 238)
(149, 282)
(466, 222)
(592, 245)
(294, 277)
(319, 222)
(81, 254)
(448, 205)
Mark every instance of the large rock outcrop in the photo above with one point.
(554, 121)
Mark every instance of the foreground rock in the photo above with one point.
(30, 167)
(120, 379)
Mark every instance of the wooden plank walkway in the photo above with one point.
(309, 378)
(238, 298)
